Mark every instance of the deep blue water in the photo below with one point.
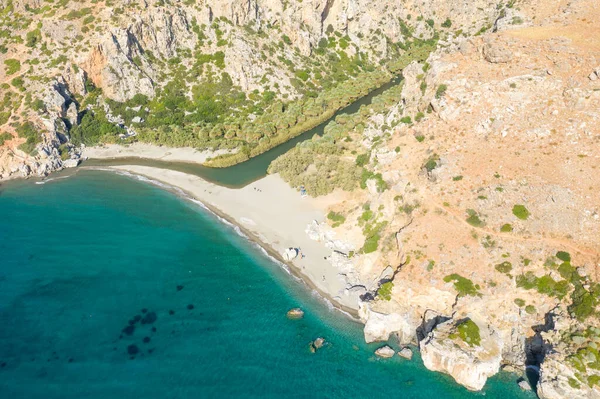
(81, 257)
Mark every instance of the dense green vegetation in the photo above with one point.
(473, 218)
(28, 131)
(336, 218)
(583, 294)
(463, 285)
(468, 331)
(504, 267)
(325, 163)
(93, 128)
(385, 290)
(520, 211)
(12, 66)
(4, 137)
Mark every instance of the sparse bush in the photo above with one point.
(521, 212)
(385, 290)
(441, 91)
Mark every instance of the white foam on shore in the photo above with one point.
(51, 179)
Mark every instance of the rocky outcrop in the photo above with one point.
(470, 355)
(385, 352)
(496, 53)
(295, 313)
(380, 326)
(406, 353)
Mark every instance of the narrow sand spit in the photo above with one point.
(272, 214)
(149, 151)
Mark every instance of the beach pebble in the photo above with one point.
(295, 313)
(405, 353)
(385, 351)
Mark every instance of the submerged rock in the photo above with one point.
(149, 318)
(132, 350)
(295, 313)
(385, 352)
(316, 344)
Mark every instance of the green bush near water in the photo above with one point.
(468, 331)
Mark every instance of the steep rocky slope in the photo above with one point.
(476, 234)
(200, 74)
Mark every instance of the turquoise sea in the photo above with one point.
(111, 287)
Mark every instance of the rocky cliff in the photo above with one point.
(477, 210)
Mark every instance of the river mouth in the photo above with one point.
(244, 173)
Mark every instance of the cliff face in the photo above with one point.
(479, 199)
(133, 52)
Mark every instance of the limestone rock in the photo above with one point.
(316, 344)
(385, 352)
(295, 313)
(290, 254)
(405, 353)
(496, 52)
(558, 381)
(470, 364)
(380, 326)
(524, 385)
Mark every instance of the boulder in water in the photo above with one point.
(385, 351)
(316, 344)
(405, 353)
(295, 313)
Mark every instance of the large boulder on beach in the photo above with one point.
(290, 254)
(385, 352)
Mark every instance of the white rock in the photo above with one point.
(71, 163)
(405, 353)
(385, 352)
(524, 385)
(379, 326)
(290, 254)
(470, 366)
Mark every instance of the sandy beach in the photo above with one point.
(149, 151)
(274, 215)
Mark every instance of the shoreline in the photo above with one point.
(152, 152)
(153, 176)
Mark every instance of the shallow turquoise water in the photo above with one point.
(82, 256)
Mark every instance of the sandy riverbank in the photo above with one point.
(272, 214)
(149, 151)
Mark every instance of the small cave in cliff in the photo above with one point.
(536, 349)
